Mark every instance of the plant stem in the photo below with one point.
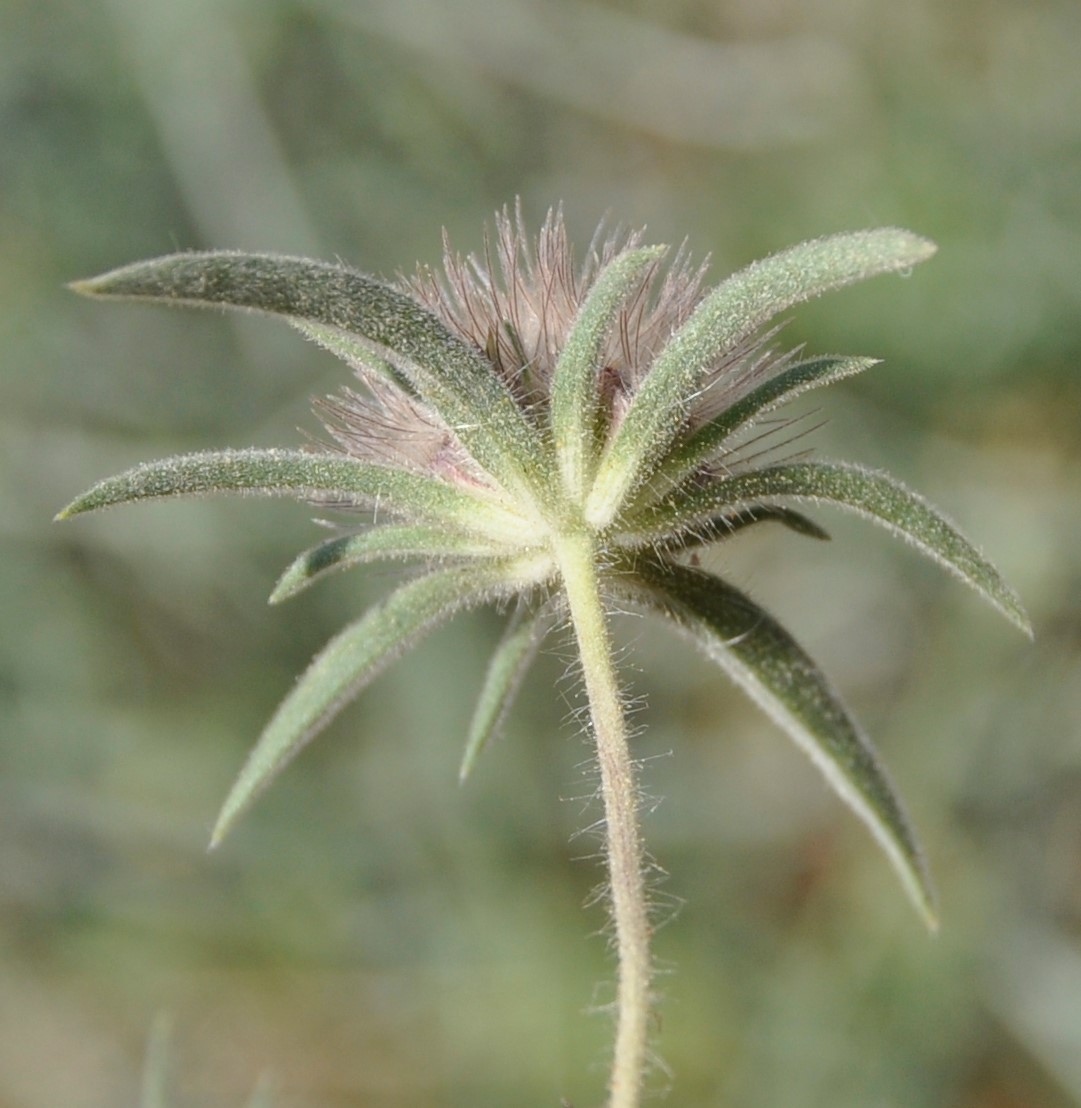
(577, 559)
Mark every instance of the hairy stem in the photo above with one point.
(623, 844)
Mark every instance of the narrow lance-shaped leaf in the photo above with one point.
(333, 477)
(734, 310)
(575, 388)
(787, 385)
(366, 358)
(386, 541)
(509, 664)
(875, 496)
(455, 380)
(764, 660)
(350, 661)
(731, 523)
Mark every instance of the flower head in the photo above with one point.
(519, 301)
(566, 433)
(524, 420)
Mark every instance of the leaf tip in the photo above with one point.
(904, 248)
(87, 286)
(235, 804)
(291, 582)
(282, 591)
(1011, 607)
(917, 884)
(921, 248)
(920, 887)
(1008, 603)
(217, 836)
(75, 508)
(469, 760)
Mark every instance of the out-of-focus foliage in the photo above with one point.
(375, 935)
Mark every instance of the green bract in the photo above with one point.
(566, 436)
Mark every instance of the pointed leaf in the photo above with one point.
(767, 513)
(351, 660)
(731, 523)
(787, 385)
(575, 386)
(386, 541)
(734, 310)
(364, 357)
(297, 473)
(509, 664)
(771, 667)
(473, 401)
(876, 496)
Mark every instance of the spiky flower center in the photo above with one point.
(518, 302)
(517, 305)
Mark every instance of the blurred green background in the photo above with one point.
(373, 934)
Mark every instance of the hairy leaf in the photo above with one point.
(728, 524)
(386, 541)
(351, 660)
(335, 478)
(508, 665)
(576, 383)
(793, 381)
(876, 496)
(772, 668)
(367, 358)
(734, 310)
(455, 380)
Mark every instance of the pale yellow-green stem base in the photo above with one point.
(576, 556)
